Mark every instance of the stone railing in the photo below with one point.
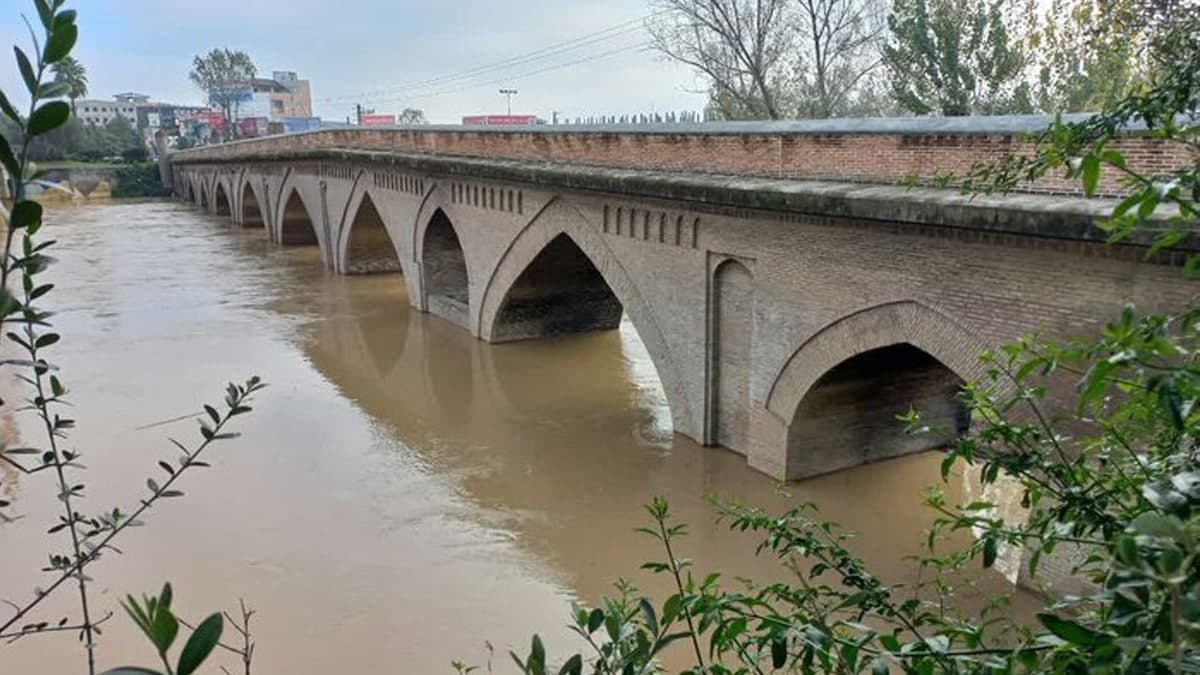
(881, 151)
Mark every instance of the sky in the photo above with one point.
(384, 53)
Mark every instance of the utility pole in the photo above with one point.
(508, 94)
(358, 114)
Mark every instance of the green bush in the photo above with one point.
(138, 180)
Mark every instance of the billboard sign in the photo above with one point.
(378, 120)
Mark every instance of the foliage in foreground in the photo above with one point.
(1111, 487)
(23, 292)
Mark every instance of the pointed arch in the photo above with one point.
(365, 244)
(557, 219)
(296, 224)
(839, 392)
(560, 291)
(445, 278)
(221, 203)
(252, 213)
(203, 203)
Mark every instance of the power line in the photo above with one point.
(618, 30)
(642, 46)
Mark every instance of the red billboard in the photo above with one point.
(377, 120)
(499, 120)
(213, 118)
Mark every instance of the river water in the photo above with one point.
(402, 493)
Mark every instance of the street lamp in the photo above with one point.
(508, 94)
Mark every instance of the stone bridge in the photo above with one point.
(792, 297)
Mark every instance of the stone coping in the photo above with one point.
(1038, 215)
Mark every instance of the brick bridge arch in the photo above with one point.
(252, 185)
(297, 200)
(905, 329)
(557, 219)
(363, 196)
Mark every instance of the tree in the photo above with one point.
(71, 73)
(741, 46)
(839, 47)
(224, 76)
(412, 116)
(1079, 62)
(1115, 477)
(954, 57)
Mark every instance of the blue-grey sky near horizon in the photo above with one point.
(383, 53)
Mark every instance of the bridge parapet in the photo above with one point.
(879, 151)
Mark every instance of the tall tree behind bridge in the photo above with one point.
(955, 57)
(224, 75)
(838, 44)
(411, 116)
(743, 48)
(771, 59)
(71, 73)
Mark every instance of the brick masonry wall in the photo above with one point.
(884, 158)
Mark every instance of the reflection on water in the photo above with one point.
(402, 492)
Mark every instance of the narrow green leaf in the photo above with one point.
(200, 644)
(7, 108)
(990, 549)
(573, 666)
(164, 629)
(779, 652)
(1070, 631)
(7, 158)
(62, 40)
(48, 117)
(1090, 173)
(45, 12)
(27, 72)
(25, 213)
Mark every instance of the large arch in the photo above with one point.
(445, 279)
(221, 203)
(839, 393)
(557, 219)
(296, 224)
(365, 245)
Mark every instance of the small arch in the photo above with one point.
(561, 291)
(252, 213)
(221, 200)
(296, 227)
(444, 271)
(369, 248)
(203, 195)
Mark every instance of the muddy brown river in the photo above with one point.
(402, 492)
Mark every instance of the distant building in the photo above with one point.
(282, 96)
(143, 114)
(99, 113)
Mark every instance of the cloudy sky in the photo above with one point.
(387, 54)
